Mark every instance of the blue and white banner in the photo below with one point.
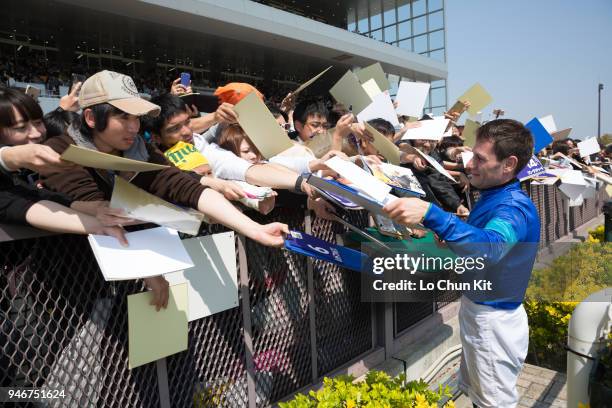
(532, 169)
(308, 245)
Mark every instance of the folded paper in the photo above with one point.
(151, 252)
(359, 178)
(376, 73)
(350, 93)
(432, 129)
(588, 147)
(381, 107)
(261, 127)
(157, 334)
(384, 146)
(411, 97)
(212, 281)
(98, 160)
(478, 98)
(144, 206)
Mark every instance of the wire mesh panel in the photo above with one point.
(343, 322)
(278, 291)
(63, 327)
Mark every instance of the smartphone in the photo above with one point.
(77, 78)
(185, 79)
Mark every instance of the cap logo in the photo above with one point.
(128, 86)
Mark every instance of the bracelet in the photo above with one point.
(425, 215)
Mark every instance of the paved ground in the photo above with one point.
(538, 388)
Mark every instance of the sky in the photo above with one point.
(535, 57)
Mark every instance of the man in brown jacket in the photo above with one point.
(110, 123)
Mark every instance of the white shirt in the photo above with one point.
(224, 164)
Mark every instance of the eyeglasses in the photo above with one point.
(317, 125)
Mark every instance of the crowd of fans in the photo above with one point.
(31, 70)
(213, 162)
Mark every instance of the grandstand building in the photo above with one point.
(273, 44)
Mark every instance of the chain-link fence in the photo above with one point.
(64, 327)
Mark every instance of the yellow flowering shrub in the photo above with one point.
(554, 292)
(378, 390)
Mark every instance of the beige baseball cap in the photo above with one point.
(118, 90)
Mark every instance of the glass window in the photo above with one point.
(405, 29)
(433, 5)
(390, 34)
(437, 55)
(438, 83)
(439, 111)
(436, 40)
(406, 44)
(436, 20)
(362, 17)
(389, 12)
(375, 15)
(403, 9)
(438, 96)
(420, 44)
(419, 25)
(418, 7)
(351, 22)
(394, 84)
(377, 35)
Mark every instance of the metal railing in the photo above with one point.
(64, 327)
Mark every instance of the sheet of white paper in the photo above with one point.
(371, 88)
(429, 129)
(381, 107)
(359, 178)
(411, 98)
(573, 177)
(466, 157)
(577, 201)
(141, 205)
(588, 147)
(151, 252)
(549, 123)
(572, 184)
(212, 281)
(547, 181)
(561, 134)
(434, 164)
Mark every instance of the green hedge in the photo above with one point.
(378, 390)
(554, 292)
